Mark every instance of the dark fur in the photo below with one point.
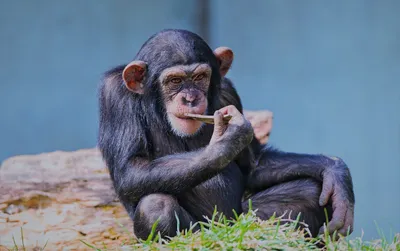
(156, 173)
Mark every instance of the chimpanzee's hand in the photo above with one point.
(261, 121)
(238, 129)
(338, 186)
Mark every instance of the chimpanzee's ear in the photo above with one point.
(133, 76)
(225, 58)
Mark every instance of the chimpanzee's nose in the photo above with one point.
(190, 100)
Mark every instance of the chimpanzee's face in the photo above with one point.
(184, 90)
(184, 87)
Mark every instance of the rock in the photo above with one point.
(62, 198)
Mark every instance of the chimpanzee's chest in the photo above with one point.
(223, 191)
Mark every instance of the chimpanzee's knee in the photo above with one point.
(151, 208)
(291, 199)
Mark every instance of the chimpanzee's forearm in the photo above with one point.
(275, 167)
(174, 174)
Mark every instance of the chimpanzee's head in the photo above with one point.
(184, 72)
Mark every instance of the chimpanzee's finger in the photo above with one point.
(219, 126)
(327, 191)
(236, 117)
(231, 110)
(348, 223)
(338, 218)
(224, 110)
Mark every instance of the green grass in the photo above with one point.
(247, 232)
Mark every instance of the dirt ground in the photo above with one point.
(61, 198)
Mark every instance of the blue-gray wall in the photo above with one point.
(328, 70)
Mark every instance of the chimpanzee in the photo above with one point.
(164, 164)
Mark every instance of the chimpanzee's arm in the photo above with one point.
(274, 167)
(173, 174)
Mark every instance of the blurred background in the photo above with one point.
(329, 70)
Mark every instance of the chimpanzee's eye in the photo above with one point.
(199, 77)
(176, 80)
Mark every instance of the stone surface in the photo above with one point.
(61, 198)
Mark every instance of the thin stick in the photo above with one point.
(209, 119)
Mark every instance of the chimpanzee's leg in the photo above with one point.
(153, 206)
(294, 197)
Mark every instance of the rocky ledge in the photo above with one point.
(62, 199)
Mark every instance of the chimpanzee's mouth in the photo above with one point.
(186, 116)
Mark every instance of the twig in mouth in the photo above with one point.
(209, 119)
